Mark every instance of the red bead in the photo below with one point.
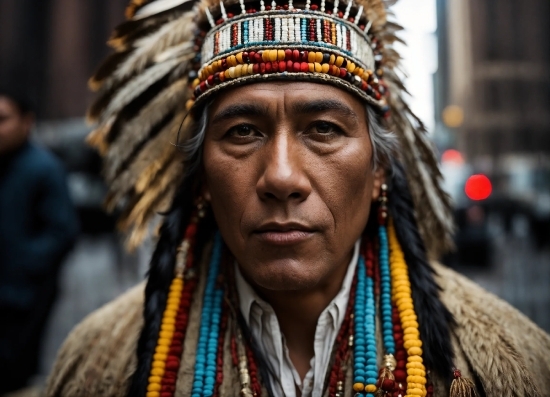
(252, 56)
(340, 14)
(388, 385)
(343, 72)
(210, 80)
(230, 15)
(304, 67)
(256, 68)
(400, 375)
(258, 57)
(288, 55)
(262, 68)
(275, 66)
(285, 7)
(268, 8)
(314, 7)
(296, 66)
(303, 56)
(282, 66)
(202, 86)
(295, 55)
(268, 68)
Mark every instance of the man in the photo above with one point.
(37, 228)
(293, 258)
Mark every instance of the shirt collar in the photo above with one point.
(247, 295)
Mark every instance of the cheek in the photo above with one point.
(346, 184)
(228, 184)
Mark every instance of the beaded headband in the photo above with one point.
(284, 43)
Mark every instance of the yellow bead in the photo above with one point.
(162, 349)
(358, 387)
(189, 104)
(411, 337)
(154, 387)
(339, 61)
(244, 70)
(239, 57)
(325, 68)
(157, 371)
(415, 359)
(233, 60)
(414, 351)
(318, 57)
(407, 312)
(311, 67)
(370, 388)
(155, 379)
(272, 55)
(350, 67)
(251, 68)
(152, 394)
(416, 379)
(405, 306)
(332, 59)
(265, 55)
(311, 57)
(238, 71)
(164, 342)
(158, 364)
(414, 392)
(173, 306)
(409, 344)
(209, 70)
(196, 82)
(416, 366)
(160, 357)
(318, 67)
(280, 55)
(173, 301)
(232, 72)
(168, 321)
(410, 324)
(169, 314)
(358, 72)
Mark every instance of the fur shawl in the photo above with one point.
(495, 345)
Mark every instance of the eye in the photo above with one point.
(242, 131)
(324, 129)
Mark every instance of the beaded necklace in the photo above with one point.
(402, 373)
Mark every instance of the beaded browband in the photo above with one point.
(280, 42)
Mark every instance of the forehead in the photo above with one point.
(276, 94)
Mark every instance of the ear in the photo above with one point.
(379, 180)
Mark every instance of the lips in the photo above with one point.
(287, 233)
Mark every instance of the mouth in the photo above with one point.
(283, 233)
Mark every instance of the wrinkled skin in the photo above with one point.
(288, 171)
(14, 126)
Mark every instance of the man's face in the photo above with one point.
(289, 175)
(14, 126)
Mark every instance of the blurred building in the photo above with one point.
(51, 47)
(494, 61)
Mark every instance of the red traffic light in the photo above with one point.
(478, 187)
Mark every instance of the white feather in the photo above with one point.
(157, 7)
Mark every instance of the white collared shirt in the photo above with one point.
(264, 326)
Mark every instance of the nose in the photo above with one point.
(284, 177)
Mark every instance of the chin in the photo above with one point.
(285, 275)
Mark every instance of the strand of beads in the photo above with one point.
(219, 358)
(205, 361)
(344, 341)
(166, 360)
(402, 295)
(365, 358)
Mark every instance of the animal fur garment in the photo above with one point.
(494, 344)
(144, 84)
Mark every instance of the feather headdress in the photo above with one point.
(171, 53)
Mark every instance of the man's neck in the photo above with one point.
(298, 313)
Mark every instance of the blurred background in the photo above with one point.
(478, 75)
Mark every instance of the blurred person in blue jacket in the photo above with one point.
(38, 227)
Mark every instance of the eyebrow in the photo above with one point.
(323, 105)
(239, 110)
